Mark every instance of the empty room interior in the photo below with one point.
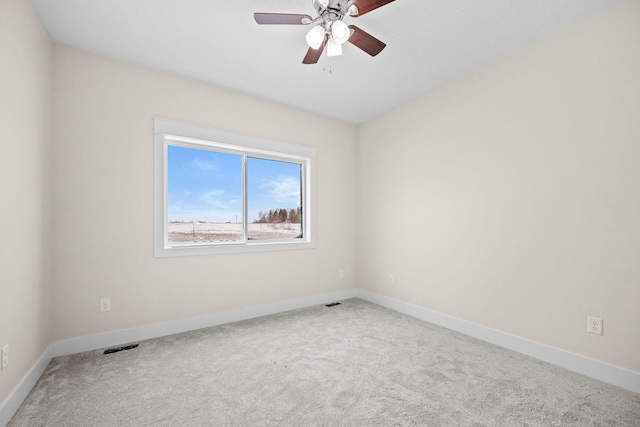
(472, 186)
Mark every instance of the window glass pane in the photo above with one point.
(274, 199)
(204, 196)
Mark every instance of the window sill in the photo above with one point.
(213, 249)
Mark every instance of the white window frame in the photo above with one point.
(168, 132)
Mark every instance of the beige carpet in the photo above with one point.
(354, 364)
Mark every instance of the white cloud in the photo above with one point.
(284, 189)
(204, 165)
(207, 215)
(211, 206)
(214, 198)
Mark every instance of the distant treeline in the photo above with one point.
(275, 216)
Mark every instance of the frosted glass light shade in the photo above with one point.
(333, 48)
(340, 32)
(315, 36)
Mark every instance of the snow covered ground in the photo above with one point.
(203, 232)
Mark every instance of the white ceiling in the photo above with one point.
(429, 42)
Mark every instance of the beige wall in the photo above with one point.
(508, 198)
(25, 189)
(104, 200)
(511, 197)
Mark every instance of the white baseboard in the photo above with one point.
(610, 374)
(599, 370)
(124, 336)
(15, 399)
(108, 339)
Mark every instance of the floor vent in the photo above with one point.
(115, 350)
(332, 304)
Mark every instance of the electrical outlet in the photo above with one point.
(4, 357)
(391, 280)
(594, 325)
(341, 273)
(105, 304)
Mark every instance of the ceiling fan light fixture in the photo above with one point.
(334, 48)
(315, 37)
(327, 30)
(340, 32)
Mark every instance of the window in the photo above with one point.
(217, 192)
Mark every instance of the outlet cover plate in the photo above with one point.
(594, 325)
(4, 357)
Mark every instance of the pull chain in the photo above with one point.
(326, 66)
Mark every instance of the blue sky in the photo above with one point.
(207, 185)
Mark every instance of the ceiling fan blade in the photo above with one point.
(281, 18)
(366, 6)
(313, 55)
(365, 41)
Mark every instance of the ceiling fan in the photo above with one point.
(329, 29)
